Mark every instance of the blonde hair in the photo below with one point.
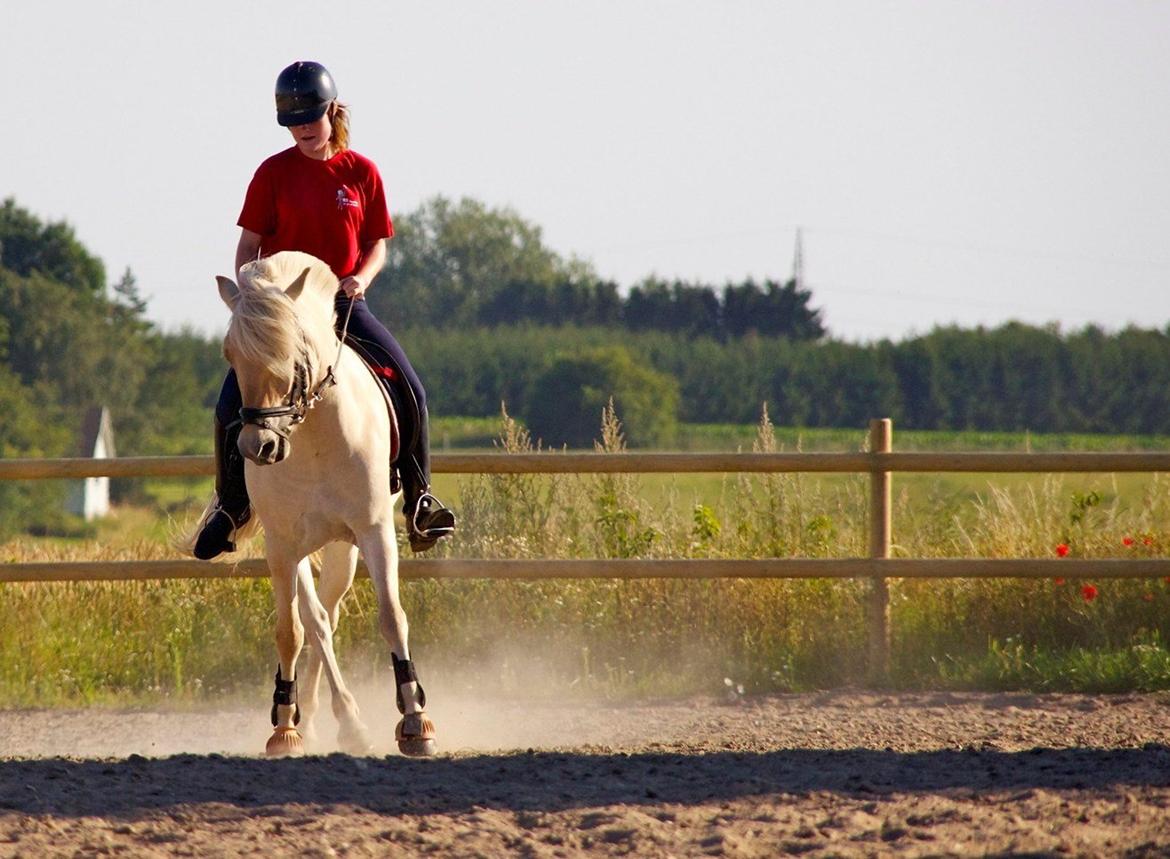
(264, 330)
(339, 119)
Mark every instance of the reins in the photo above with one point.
(296, 410)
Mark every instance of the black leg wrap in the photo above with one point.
(404, 673)
(285, 695)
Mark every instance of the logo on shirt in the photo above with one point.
(346, 197)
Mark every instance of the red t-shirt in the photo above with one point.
(330, 209)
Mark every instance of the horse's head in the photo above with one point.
(282, 323)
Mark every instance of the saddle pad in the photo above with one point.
(392, 398)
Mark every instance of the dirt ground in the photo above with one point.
(832, 774)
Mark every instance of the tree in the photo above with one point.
(655, 305)
(567, 400)
(30, 426)
(454, 265)
(449, 262)
(27, 246)
(63, 336)
(773, 310)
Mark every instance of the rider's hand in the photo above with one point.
(354, 287)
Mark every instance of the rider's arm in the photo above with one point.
(372, 260)
(247, 249)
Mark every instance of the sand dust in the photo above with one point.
(832, 774)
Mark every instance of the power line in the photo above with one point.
(947, 244)
(819, 288)
(1003, 250)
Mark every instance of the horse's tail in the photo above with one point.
(185, 541)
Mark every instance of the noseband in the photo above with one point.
(300, 400)
(281, 419)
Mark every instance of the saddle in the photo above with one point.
(400, 402)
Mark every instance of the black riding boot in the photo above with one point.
(427, 520)
(232, 507)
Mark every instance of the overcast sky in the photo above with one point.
(946, 162)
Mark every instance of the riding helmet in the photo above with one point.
(303, 93)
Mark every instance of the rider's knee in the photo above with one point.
(227, 407)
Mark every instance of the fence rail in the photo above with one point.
(879, 462)
(641, 463)
(766, 568)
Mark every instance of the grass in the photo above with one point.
(91, 643)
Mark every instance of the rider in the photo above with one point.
(321, 197)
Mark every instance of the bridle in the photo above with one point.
(281, 419)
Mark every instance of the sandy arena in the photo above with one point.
(832, 774)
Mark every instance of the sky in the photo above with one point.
(944, 163)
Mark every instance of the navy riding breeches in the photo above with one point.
(382, 352)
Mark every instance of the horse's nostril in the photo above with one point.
(267, 450)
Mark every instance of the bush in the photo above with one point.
(569, 397)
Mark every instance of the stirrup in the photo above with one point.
(429, 523)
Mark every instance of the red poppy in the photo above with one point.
(1148, 597)
(1059, 580)
(1147, 541)
(1062, 550)
(1127, 541)
(1089, 592)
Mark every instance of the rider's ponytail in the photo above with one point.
(339, 117)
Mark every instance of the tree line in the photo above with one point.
(1008, 378)
(460, 265)
(490, 315)
(70, 340)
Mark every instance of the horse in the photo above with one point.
(329, 493)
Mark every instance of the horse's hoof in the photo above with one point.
(415, 735)
(285, 743)
(355, 741)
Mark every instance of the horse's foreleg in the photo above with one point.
(338, 561)
(320, 618)
(381, 553)
(415, 733)
(290, 636)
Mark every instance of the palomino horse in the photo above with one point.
(330, 491)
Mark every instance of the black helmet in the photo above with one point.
(303, 93)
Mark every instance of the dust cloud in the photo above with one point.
(510, 700)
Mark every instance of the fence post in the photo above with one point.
(881, 433)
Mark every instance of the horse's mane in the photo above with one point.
(264, 330)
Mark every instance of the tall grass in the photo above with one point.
(86, 642)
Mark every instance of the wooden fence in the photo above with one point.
(880, 462)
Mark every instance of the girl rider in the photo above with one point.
(321, 197)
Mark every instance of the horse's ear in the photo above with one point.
(228, 291)
(294, 288)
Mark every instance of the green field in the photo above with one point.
(144, 641)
